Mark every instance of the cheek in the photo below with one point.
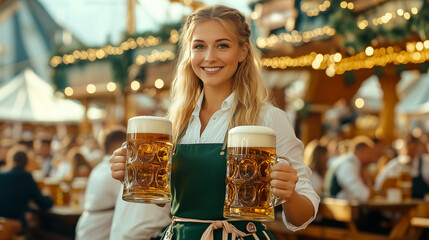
(195, 59)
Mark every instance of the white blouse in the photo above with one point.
(288, 144)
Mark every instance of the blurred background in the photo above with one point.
(346, 67)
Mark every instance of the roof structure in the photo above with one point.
(28, 98)
(27, 37)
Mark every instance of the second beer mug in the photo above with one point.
(148, 167)
(250, 155)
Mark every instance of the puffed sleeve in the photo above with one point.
(289, 146)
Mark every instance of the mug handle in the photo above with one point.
(278, 200)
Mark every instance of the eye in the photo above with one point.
(198, 46)
(223, 45)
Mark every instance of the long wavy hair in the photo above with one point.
(250, 90)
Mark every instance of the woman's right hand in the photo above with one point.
(118, 162)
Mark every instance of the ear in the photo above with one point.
(243, 52)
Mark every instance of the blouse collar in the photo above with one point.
(226, 104)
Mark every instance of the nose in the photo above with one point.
(210, 55)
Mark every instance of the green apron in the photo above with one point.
(198, 192)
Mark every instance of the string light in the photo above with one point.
(333, 64)
(111, 86)
(135, 85)
(387, 17)
(159, 83)
(312, 8)
(68, 91)
(91, 88)
(155, 56)
(294, 37)
(93, 54)
(359, 103)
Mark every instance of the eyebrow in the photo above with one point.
(217, 40)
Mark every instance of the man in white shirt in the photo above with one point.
(132, 221)
(412, 156)
(344, 178)
(101, 193)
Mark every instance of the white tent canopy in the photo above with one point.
(417, 100)
(412, 91)
(28, 98)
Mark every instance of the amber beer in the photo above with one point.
(250, 155)
(147, 172)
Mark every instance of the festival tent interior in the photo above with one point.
(28, 98)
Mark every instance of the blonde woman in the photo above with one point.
(218, 86)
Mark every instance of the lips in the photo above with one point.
(212, 69)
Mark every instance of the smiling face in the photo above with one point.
(215, 54)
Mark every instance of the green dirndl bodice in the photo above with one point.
(198, 192)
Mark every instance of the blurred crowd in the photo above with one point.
(39, 170)
(366, 168)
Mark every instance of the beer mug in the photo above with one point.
(250, 155)
(148, 167)
(78, 187)
(53, 186)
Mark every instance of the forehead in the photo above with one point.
(211, 30)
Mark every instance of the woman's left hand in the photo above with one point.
(283, 180)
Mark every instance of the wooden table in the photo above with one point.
(58, 223)
(348, 213)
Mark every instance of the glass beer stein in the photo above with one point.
(148, 168)
(250, 155)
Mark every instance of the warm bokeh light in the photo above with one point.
(91, 88)
(338, 57)
(68, 91)
(298, 104)
(359, 103)
(330, 71)
(400, 12)
(135, 85)
(111, 86)
(159, 83)
(407, 15)
(419, 46)
(369, 51)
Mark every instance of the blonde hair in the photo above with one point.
(250, 90)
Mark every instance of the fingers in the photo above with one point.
(119, 175)
(118, 163)
(284, 179)
(119, 155)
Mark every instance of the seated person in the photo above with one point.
(345, 178)
(101, 192)
(316, 158)
(17, 188)
(79, 166)
(412, 155)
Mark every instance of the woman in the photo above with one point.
(79, 166)
(217, 86)
(316, 158)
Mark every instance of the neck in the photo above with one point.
(213, 99)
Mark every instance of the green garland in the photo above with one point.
(120, 63)
(356, 40)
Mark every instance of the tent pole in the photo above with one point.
(85, 126)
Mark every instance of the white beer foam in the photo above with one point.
(251, 136)
(149, 124)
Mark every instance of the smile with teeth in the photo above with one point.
(212, 69)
